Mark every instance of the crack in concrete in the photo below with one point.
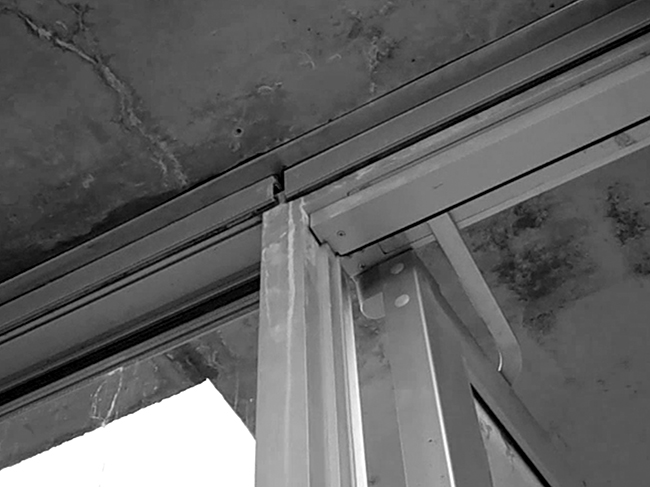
(80, 12)
(129, 118)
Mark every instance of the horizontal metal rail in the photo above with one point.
(166, 333)
(28, 351)
(491, 75)
(614, 148)
(510, 150)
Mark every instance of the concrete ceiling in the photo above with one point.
(110, 108)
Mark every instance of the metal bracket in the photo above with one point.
(369, 290)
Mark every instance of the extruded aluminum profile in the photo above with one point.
(612, 149)
(187, 329)
(504, 69)
(210, 207)
(510, 150)
(439, 431)
(308, 426)
(510, 156)
(426, 347)
(442, 229)
(131, 288)
(28, 352)
(38, 305)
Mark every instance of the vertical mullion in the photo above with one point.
(439, 430)
(353, 458)
(305, 434)
(282, 438)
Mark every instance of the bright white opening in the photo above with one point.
(193, 438)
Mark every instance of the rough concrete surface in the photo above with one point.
(108, 108)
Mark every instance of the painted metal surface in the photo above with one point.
(439, 431)
(502, 154)
(308, 422)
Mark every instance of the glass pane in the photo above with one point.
(212, 379)
(571, 270)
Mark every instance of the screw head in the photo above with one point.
(402, 300)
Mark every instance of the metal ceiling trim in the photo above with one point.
(481, 122)
(221, 264)
(130, 295)
(472, 84)
(17, 400)
(495, 157)
(618, 146)
(128, 260)
(205, 209)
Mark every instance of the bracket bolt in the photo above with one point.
(402, 300)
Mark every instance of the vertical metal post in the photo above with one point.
(345, 384)
(439, 430)
(308, 410)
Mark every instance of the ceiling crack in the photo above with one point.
(129, 117)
